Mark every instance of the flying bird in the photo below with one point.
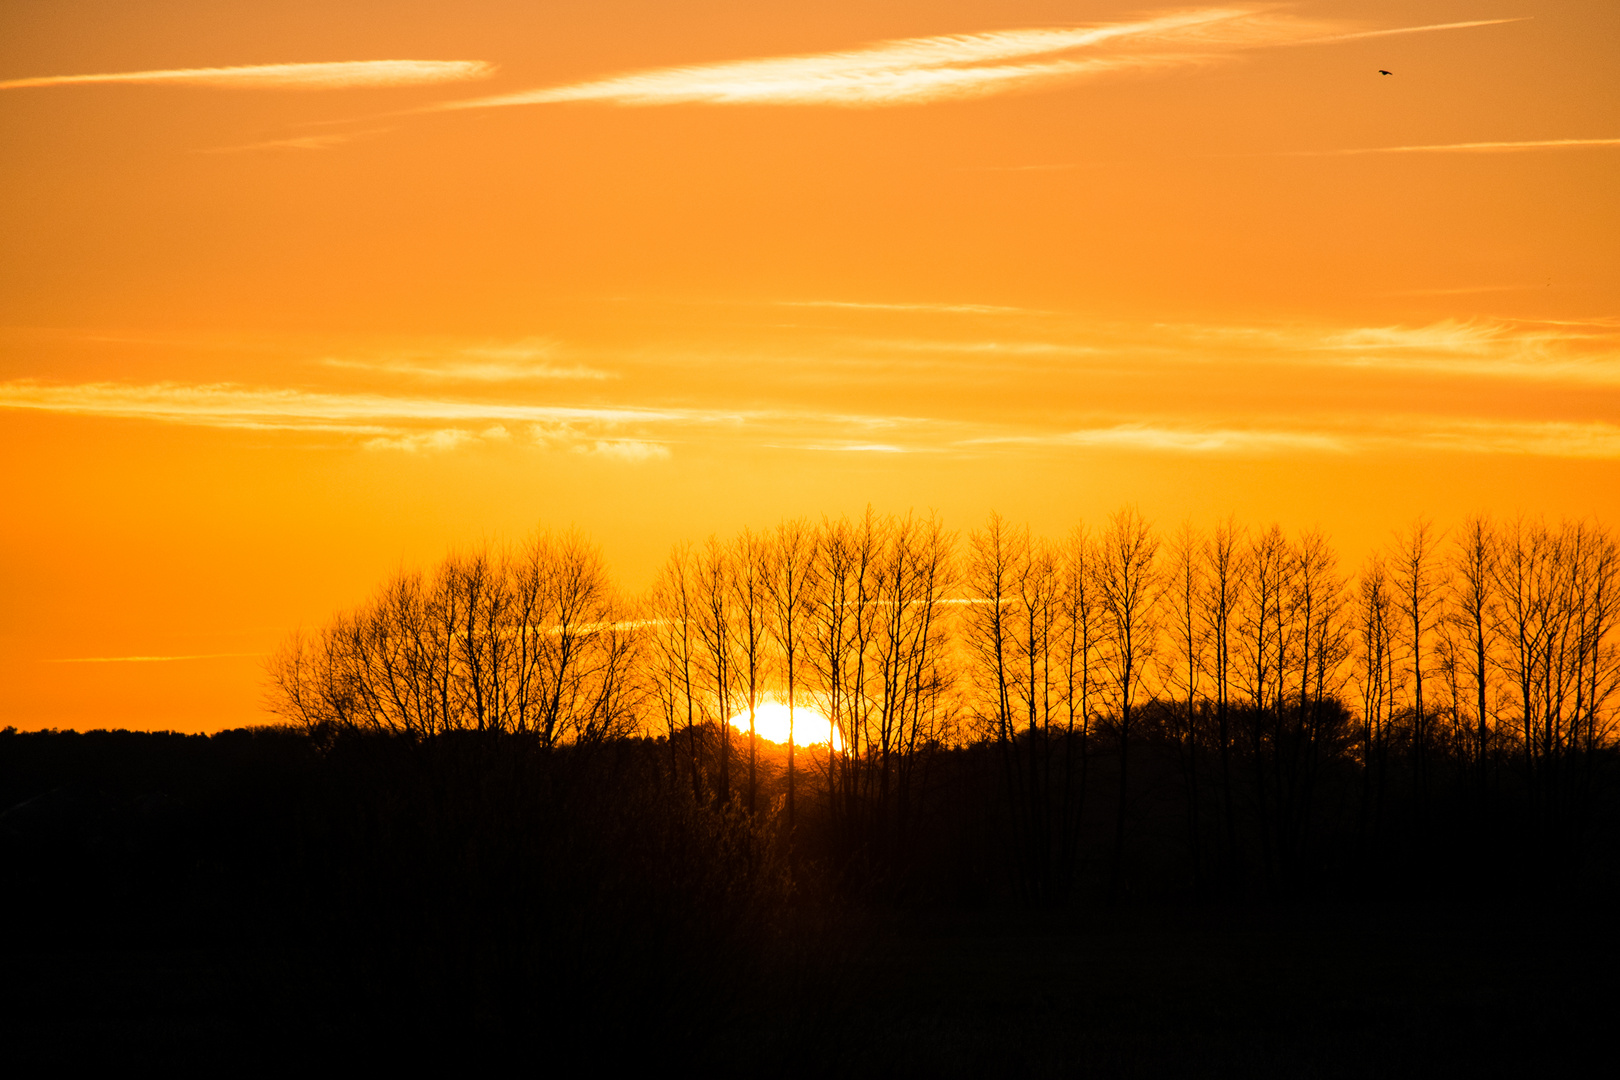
(1381, 71)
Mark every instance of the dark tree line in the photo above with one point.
(1224, 712)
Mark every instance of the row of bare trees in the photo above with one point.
(1499, 646)
(1250, 657)
(1062, 636)
(846, 622)
(533, 640)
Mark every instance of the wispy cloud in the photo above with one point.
(297, 142)
(418, 442)
(1462, 290)
(231, 405)
(1062, 166)
(1177, 439)
(1010, 389)
(628, 450)
(1531, 438)
(1517, 349)
(412, 424)
(568, 437)
(565, 438)
(1359, 34)
(522, 361)
(979, 348)
(843, 447)
(1570, 352)
(937, 309)
(919, 70)
(1499, 349)
(146, 659)
(1512, 147)
(1337, 435)
(431, 424)
(336, 75)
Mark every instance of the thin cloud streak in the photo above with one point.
(1158, 437)
(945, 309)
(1494, 350)
(470, 371)
(920, 70)
(1066, 166)
(1489, 148)
(1531, 438)
(375, 422)
(1535, 351)
(974, 348)
(1530, 351)
(632, 451)
(335, 75)
(1504, 147)
(297, 142)
(1360, 34)
(528, 360)
(147, 659)
(843, 448)
(1344, 435)
(233, 405)
(227, 404)
(414, 425)
(563, 438)
(1464, 290)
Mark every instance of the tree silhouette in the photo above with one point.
(1276, 717)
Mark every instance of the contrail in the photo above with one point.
(146, 659)
(335, 75)
(1466, 148)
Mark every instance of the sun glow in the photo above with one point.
(772, 721)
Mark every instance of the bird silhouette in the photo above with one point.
(1381, 71)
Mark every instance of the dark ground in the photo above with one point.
(958, 998)
(241, 901)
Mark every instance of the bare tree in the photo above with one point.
(1224, 585)
(1598, 670)
(1189, 635)
(1418, 579)
(1128, 588)
(581, 646)
(751, 598)
(1080, 634)
(1318, 604)
(1468, 625)
(835, 610)
(718, 647)
(674, 615)
(790, 586)
(914, 572)
(1264, 638)
(998, 561)
(1374, 673)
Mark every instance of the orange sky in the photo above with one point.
(661, 269)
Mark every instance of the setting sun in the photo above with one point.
(773, 723)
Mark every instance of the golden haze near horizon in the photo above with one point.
(297, 294)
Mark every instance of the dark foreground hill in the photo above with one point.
(263, 897)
